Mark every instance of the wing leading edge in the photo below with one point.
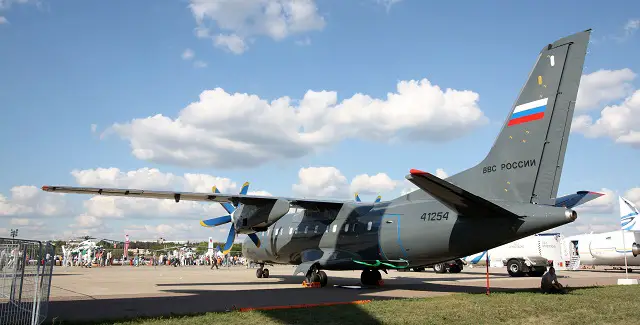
(311, 204)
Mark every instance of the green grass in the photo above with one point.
(602, 305)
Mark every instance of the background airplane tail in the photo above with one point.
(628, 215)
(525, 162)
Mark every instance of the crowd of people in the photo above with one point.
(89, 258)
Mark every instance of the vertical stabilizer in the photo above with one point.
(628, 215)
(525, 162)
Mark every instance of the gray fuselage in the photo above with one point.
(421, 232)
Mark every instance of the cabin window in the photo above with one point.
(369, 224)
(305, 229)
(346, 228)
(335, 227)
(316, 229)
(290, 231)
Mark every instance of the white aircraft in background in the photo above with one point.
(610, 248)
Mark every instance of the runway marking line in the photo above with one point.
(355, 302)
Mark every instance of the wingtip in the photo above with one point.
(45, 188)
(418, 172)
(596, 193)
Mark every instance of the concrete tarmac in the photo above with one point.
(118, 292)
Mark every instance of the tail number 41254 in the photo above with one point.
(433, 216)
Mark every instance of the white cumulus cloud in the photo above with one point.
(618, 122)
(238, 21)
(375, 184)
(188, 54)
(226, 130)
(31, 201)
(604, 87)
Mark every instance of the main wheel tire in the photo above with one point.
(313, 277)
(259, 273)
(440, 268)
(514, 268)
(376, 277)
(455, 269)
(323, 278)
(265, 273)
(367, 277)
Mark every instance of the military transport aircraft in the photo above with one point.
(508, 196)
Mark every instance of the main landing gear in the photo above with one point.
(371, 278)
(262, 272)
(316, 276)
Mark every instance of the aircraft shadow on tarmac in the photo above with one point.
(199, 301)
(297, 279)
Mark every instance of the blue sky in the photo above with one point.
(68, 65)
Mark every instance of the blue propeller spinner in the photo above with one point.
(230, 219)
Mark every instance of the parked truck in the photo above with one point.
(527, 256)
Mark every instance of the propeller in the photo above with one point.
(378, 199)
(230, 218)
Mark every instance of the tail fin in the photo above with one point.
(628, 215)
(525, 162)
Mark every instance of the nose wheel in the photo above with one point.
(371, 278)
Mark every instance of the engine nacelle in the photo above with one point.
(248, 219)
(635, 249)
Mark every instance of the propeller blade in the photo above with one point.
(357, 197)
(243, 191)
(255, 239)
(230, 239)
(227, 206)
(245, 188)
(216, 221)
(378, 199)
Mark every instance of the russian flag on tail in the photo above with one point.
(528, 112)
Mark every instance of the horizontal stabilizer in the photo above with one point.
(456, 198)
(574, 200)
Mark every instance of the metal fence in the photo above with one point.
(26, 267)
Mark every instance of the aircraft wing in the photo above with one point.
(579, 198)
(311, 204)
(463, 202)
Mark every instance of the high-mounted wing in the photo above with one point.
(235, 199)
(456, 198)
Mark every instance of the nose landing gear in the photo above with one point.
(262, 272)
